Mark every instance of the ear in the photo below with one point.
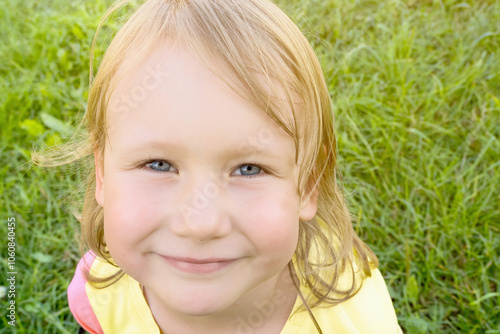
(309, 202)
(99, 178)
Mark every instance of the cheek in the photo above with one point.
(129, 216)
(273, 223)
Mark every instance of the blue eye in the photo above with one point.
(249, 170)
(159, 166)
(162, 166)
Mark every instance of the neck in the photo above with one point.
(264, 310)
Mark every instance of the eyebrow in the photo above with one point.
(240, 150)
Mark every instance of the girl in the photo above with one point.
(214, 206)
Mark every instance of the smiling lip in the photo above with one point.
(198, 266)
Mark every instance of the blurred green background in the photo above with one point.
(416, 86)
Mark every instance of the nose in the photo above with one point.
(202, 212)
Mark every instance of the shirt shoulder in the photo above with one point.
(117, 308)
(78, 300)
(369, 311)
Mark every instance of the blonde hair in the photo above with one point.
(270, 58)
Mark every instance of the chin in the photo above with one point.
(200, 309)
(195, 303)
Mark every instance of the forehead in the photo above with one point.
(173, 97)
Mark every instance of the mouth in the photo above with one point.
(198, 266)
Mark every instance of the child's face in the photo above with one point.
(198, 188)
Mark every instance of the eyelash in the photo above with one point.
(144, 165)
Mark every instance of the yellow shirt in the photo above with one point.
(122, 308)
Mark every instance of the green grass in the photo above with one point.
(417, 91)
